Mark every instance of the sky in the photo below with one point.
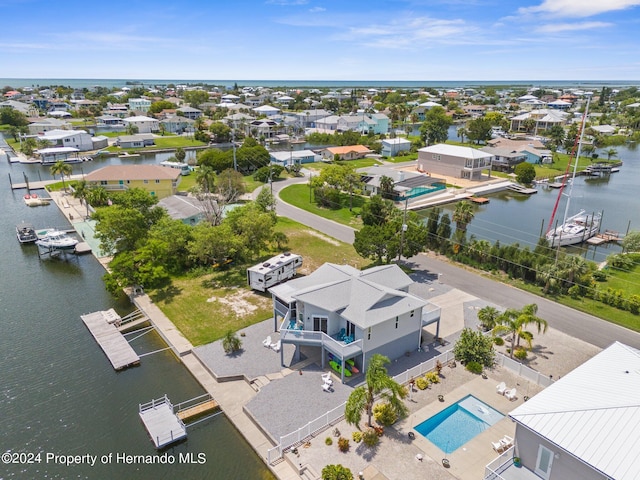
(419, 40)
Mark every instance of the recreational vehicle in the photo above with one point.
(275, 270)
(183, 167)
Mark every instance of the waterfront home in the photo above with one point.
(159, 181)
(505, 159)
(109, 121)
(392, 146)
(264, 127)
(138, 140)
(267, 110)
(286, 159)
(139, 104)
(143, 124)
(349, 152)
(585, 426)
(454, 161)
(406, 184)
(176, 124)
(189, 112)
(423, 108)
(78, 139)
(545, 118)
(350, 314)
(47, 124)
(308, 118)
(28, 110)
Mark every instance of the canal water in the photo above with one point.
(59, 394)
(512, 217)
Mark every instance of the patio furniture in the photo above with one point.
(498, 446)
(276, 346)
(341, 334)
(267, 342)
(511, 394)
(507, 442)
(326, 377)
(326, 387)
(501, 388)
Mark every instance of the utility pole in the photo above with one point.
(233, 140)
(404, 227)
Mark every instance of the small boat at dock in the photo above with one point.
(26, 233)
(128, 155)
(52, 239)
(33, 200)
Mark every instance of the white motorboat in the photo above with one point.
(580, 227)
(26, 233)
(56, 240)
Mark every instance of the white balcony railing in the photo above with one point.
(308, 337)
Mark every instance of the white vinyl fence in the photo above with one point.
(337, 414)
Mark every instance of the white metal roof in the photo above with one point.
(593, 412)
(456, 151)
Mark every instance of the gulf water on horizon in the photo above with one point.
(114, 83)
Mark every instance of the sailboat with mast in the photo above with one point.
(581, 226)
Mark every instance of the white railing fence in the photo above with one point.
(499, 464)
(523, 371)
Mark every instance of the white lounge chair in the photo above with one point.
(507, 442)
(511, 394)
(326, 377)
(501, 388)
(267, 342)
(276, 346)
(498, 446)
(326, 387)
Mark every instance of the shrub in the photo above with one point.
(343, 444)
(474, 367)
(336, 472)
(438, 367)
(599, 276)
(328, 441)
(422, 383)
(379, 431)
(231, 343)
(473, 346)
(498, 341)
(432, 377)
(357, 436)
(370, 437)
(520, 353)
(384, 414)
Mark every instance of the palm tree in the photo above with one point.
(611, 152)
(462, 215)
(81, 191)
(98, 196)
(386, 186)
(206, 178)
(62, 168)
(514, 322)
(231, 343)
(488, 317)
(378, 382)
(462, 132)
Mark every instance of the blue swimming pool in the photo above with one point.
(456, 425)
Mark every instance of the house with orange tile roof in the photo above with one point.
(349, 152)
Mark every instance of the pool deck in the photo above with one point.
(469, 460)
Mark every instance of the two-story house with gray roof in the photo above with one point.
(351, 314)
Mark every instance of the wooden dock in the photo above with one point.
(479, 200)
(516, 187)
(162, 424)
(606, 237)
(198, 410)
(103, 327)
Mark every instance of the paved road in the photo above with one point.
(572, 322)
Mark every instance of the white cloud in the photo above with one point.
(317, 9)
(571, 27)
(407, 33)
(579, 8)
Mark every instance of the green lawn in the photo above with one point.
(359, 163)
(205, 306)
(175, 142)
(298, 195)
